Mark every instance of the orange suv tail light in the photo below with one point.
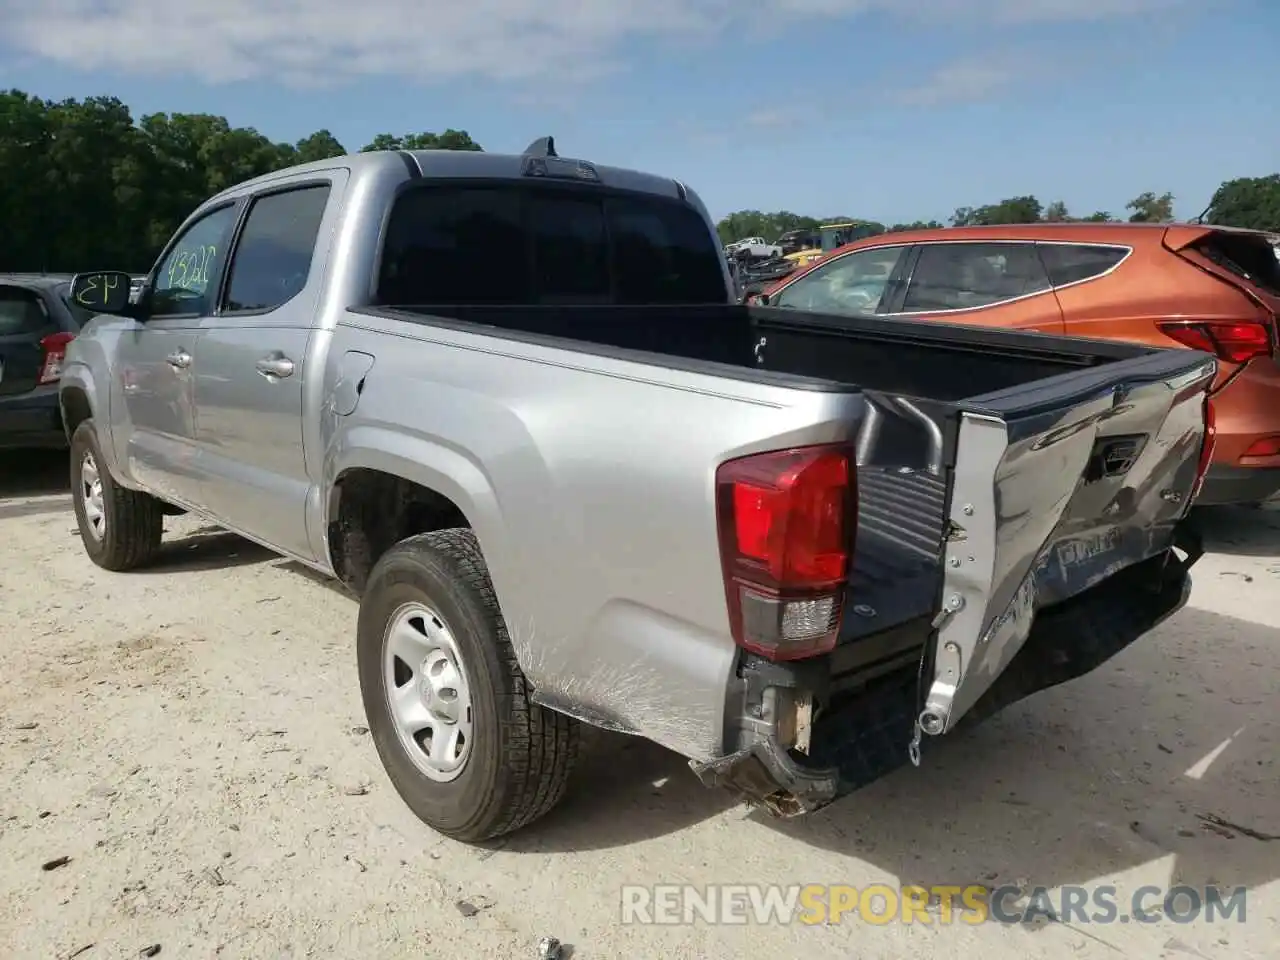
(1265, 447)
(1231, 340)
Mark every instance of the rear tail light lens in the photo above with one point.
(1234, 342)
(55, 352)
(787, 521)
(1266, 447)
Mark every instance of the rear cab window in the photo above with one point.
(514, 244)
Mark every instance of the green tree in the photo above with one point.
(321, 145)
(1252, 202)
(449, 140)
(84, 185)
(1056, 212)
(1148, 208)
(1012, 210)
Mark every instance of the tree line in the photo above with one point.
(83, 185)
(1252, 202)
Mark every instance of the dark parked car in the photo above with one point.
(37, 321)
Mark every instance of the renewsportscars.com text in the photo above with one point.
(881, 904)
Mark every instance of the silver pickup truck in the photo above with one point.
(508, 401)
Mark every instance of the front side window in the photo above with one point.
(963, 276)
(853, 283)
(273, 255)
(184, 279)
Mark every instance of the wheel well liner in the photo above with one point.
(373, 511)
(74, 403)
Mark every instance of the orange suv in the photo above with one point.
(1212, 288)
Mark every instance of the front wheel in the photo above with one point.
(120, 528)
(447, 705)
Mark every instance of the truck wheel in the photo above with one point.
(120, 528)
(447, 704)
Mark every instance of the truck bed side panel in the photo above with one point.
(560, 460)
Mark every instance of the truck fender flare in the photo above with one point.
(443, 469)
(78, 401)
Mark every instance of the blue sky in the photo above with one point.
(892, 110)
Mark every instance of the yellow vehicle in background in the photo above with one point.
(832, 236)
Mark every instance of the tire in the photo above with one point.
(516, 758)
(132, 522)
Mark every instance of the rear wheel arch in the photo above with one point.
(371, 510)
(76, 408)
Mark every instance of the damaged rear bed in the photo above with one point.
(1005, 543)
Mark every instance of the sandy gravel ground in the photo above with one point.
(190, 737)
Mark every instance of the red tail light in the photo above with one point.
(1207, 447)
(1235, 342)
(787, 521)
(1265, 447)
(55, 351)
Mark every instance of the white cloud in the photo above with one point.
(963, 81)
(771, 118)
(323, 42)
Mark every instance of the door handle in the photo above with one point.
(275, 365)
(180, 359)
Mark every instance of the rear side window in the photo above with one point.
(21, 311)
(505, 245)
(1073, 262)
(272, 258)
(964, 276)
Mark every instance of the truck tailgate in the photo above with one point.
(1056, 487)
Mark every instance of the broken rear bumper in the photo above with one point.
(865, 736)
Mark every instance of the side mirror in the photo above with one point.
(106, 291)
(763, 299)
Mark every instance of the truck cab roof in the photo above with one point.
(456, 164)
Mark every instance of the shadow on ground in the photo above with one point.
(33, 473)
(1124, 767)
(1240, 531)
(208, 548)
(329, 583)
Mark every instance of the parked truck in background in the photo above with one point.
(582, 486)
(753, 248)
